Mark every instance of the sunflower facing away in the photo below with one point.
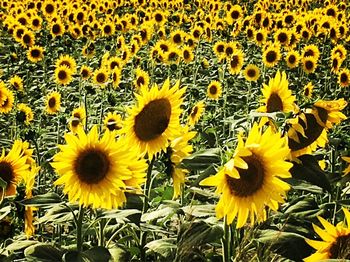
(155, 119)
(95, 172)
(178, 150)
(335, 240)
(53, 103)
(328, 113)
(13, 168)
(251, 179)
(277, 96)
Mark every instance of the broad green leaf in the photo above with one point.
(163, 211)
(75, 256)
(202, 159)
(43, 253)
(47, 199)
(98, 254)
(163, 247)
(18, 245)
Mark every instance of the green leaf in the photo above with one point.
(200, 210)
(120, 215)
(3, 183)
(163, 247)
(75, 256)
(162, 212)
(98, 254)
(18, 245)
(4, 212)
(202, 159)
(47, 199)
(119, 254)
(310, 171)
(43, 253)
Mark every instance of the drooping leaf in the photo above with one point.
(18, 245)
(202, 159)
(163, 247)
(98, 254)
(47, 199)
(43, 253)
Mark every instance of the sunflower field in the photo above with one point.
(155, 130)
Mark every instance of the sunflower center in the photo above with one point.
(259, 37)
(271, 56)
(307, 92)
(85, 73)
(194, 111)
(251, 73)
(49, 8)
(234, 61)
(27, 39)
(344, 78)
(159, 18)
(56, 29)
(112, 125)
(309, 65)
(92, 166)
(62, 75)
(220, 48)
(52, 102)
(140, 81)
(6, 172)
(35, 53)
(274, 103)
(101, 78)
(177, 38)
(341, 248)
(292, 59)
(229, 51)
(107, 29)
(251, 179)
(213, 90)
(186, 54)
(282, 38)
(153, 120)
(235, 14)
(309, 53)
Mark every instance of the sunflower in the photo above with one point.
(277, 96)
(196, 113)
(335, 240)
(68, 61)
(328, 113)
(85, 72)
(96, 172)
(336, 63)
(251, 73)
(251, 179)
(271, 55)
(48, 8)
(24, 114)
(155, 119)
(13, 168)
(17, 83)
(35, 54)
(260, 37)
(214, 90)
(187, 54)
(100, 77)
(339, 50)
(36, 22)
(282, 36)
(292, 59)
(78, 119)
(344, 77)
(113, 122)
(141, 78)
(7, 98)
(305, 134)
(311, 50)
(309, 64)
(173, 56)
(27, 39)
(63, 75)
(53, 103)
(179, 149)
(219, 49)
(235, 62)
(177, 37)
(107, 29)
(57, 29)
(116, 76)
(308, 90)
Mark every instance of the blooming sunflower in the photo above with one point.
(251, 73)
(13, 168)
(63, 75)
(187, 54)
(35, 54)
(78, 119)
(142, 78)
(68, 61)
(292, 59)
(100, 77)
(17, 83)
(85, 72)
(196, 113)
(113, 122)
(271, 55)
(251, 179)
(214, 90)
(344, 77)
(179, 149)
(155, 119)
(335, 240)
(309, 64)
(94, 171)
(7, 99)
(24, 114)
(328, 113)
(53, 103)
(277, 96)
(308, 90)
(235, 62)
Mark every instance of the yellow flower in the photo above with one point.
(53, 103)
(214, 90)
(252, 72)
(196, 113)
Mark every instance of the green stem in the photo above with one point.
(226, 256)
(79, 225)
(143, 235)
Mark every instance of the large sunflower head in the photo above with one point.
(53, 103)
(292, 59)
(335, 240)
(251, 72)
(68, 61)
(271, 55)
(155, 119)
(13, 168)
(309, 64)
(94, 171)
(250, 180)
(277, 96)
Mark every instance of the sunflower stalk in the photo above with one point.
(79, 226)
(226, 245)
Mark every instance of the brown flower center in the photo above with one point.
(140, 81)
(56, 29)
(101, 78)
(6, 172)
(35, 53)
(251, 73)
(340, 249)
(271, 56)
(213, 90)
(91, 166)
(309, 65)
(251, 179)
(274, 103)
(153, 120)
(292, 59)
(52, 102)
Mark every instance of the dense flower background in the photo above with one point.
(204, 130)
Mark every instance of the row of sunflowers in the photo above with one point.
(204, 130)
